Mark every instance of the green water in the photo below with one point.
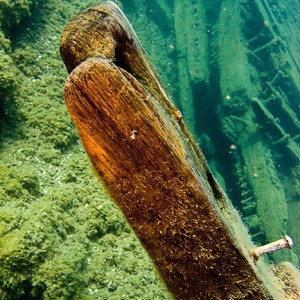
(232, 67)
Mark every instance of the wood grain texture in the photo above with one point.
(149, 163)
(153, 183)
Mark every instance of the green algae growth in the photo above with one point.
(60, 235)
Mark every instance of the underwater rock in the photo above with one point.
(150, 164)
(13, 12)
(28, 177)
(7, 78)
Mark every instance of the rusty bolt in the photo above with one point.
(285, 242)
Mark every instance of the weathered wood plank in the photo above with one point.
(150, 164)
(144, 166)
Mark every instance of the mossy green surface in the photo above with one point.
(61, 236)
(69, 240)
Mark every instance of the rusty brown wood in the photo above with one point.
(149, 163)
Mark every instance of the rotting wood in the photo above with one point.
(149, 162)
(161, 14)
(192, 57)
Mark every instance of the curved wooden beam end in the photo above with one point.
(136, 145)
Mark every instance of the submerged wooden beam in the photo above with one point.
(150, 164)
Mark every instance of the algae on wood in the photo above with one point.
(150, 164)
(259, 179)
(192, 58)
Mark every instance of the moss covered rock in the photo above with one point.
(10, 186)
(7, 76)
(14, 11)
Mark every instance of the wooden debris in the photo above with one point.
(150, 164)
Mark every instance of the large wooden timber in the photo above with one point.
(151, 166)
(192, 58)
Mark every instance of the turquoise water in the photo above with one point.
(231, 67)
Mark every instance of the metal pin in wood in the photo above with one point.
(285, 242)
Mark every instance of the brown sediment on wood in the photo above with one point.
(149, 162)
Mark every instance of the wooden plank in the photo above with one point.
(151, 166)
